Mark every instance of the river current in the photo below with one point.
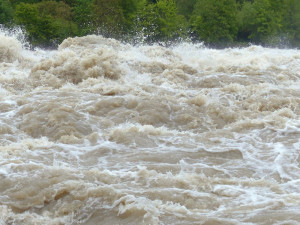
(100, 132)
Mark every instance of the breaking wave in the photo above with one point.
(101, 132)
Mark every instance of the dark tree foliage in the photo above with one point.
(69, 2)
(261, 22)
(291, 21)
(185, 7)
(215, 22)
(219, 23)
(109, 18)
(161, 22)
(6, 12)
(40, 29)
(16, 2)
(47, 23)
(83, 17)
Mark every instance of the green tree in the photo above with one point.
(161, 22)
(185, 7)
(39, 29)
(61, 16)
(291, 21)
(6, 12)
(215, 22)
(109, 18)
(47, 23)
(260, 21)
(16, 2)
(83, 17)
(69, 2)
(130, 7)
(240, 3)
(57, 10)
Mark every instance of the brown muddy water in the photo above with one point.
(100, 132)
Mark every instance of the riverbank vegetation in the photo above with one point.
(218, 23)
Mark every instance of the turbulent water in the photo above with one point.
(100, 132)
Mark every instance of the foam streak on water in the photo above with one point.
(98, 132)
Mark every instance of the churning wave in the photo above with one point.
(101, 132)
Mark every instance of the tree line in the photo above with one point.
(218, 23)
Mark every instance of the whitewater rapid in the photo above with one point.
(101, 132)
